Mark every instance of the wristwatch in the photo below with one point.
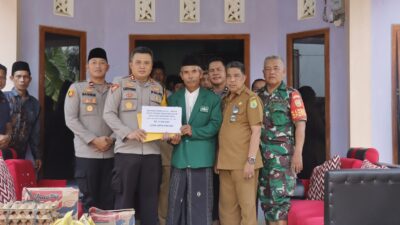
(251, 160)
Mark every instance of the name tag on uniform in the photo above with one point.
(130, 95)
(235, 111)
(89, 100)
(204, 109)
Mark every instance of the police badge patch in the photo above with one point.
(298, 102)
(71, 92)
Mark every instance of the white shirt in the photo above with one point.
(190, 100)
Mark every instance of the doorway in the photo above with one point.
(308, 71)
(62, 62)
(396, 92)
(171, 49)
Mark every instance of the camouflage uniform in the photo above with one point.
(282, 109)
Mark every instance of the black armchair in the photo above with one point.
(362, 197)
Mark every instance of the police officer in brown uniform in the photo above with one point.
(94, 153)
(137, 163)
(239, 157)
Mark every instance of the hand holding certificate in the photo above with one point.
(157, 120)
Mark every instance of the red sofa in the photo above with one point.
(311, 212)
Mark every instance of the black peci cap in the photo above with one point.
(97, 53)
(20, 65)
(191, 60)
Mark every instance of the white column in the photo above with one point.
(8, 35)
(359, 15)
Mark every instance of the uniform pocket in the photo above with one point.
(128, 105)
(155, 99)
(290, 182)
(129, 94)
(279, 114)
(89, 109)
(237, 113)
(88, 106)
(116, 182)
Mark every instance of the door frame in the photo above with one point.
(395, 92)
(172, 37)
(289, 46)
(42, 45)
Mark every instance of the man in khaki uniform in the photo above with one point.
(137, 164)
(94, 153)
(239, 157)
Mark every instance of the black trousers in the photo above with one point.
(94, 180)
(190, 197)
(142, 174)
(215, 213)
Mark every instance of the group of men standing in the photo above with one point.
(253, 141)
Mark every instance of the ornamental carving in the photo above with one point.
(234, 11)
(145, 11)
(190, 11)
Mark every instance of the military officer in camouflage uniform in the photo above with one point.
(137, 163)
(282, 140)
(94, 151)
